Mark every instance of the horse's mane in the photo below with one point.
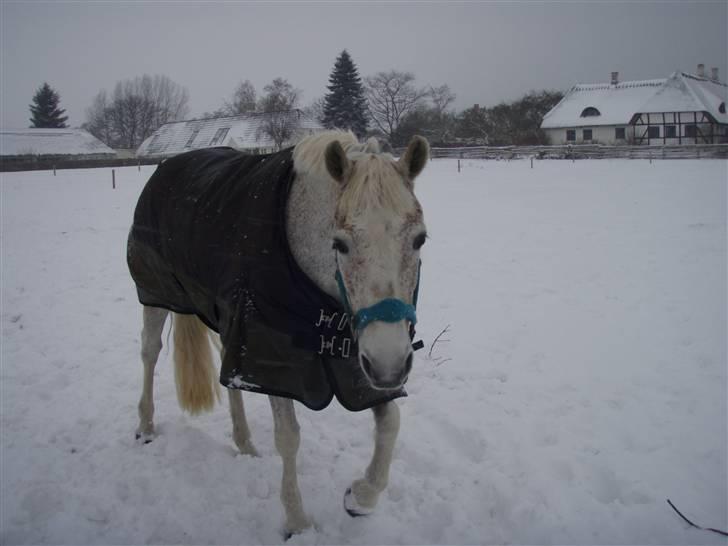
(371, 183)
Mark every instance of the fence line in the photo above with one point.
(47, 164)
(584, 151)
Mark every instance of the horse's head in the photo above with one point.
(379, 229)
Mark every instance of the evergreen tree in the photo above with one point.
(45, 110)
(345, 104)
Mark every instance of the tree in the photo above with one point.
(136, 108)
(391, 96)
(516, 123)
(474, 125)
(315, 110)
(45, 111)
(243, 100)
(281, 121)
(279, 96)
(345, 105)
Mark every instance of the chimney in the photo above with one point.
(701, 70)
(476, 107)
(714, 74)
(615, 78)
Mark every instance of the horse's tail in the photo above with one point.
(194, 371)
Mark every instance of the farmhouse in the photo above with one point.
(246, 132)
(34, 144)
(681, 109)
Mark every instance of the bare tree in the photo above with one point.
(136, 108)
(442, 97)
(279, 96)
(391, 96)
(315, 110)
(281, 121)
(243, 100)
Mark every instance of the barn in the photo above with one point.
(245, 132)
(23, 145)
(680, 109)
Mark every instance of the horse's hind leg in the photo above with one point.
(153, 318)
(362, 496)
(287, 439)
(241, 432)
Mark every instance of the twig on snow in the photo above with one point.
(446, 329)
(696, 526)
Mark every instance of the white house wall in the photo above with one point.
(600, 134)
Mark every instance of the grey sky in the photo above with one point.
(486, 51)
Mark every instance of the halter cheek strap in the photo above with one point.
(387, 310)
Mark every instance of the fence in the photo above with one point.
(585, 151)
(51, 163)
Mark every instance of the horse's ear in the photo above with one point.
(336, 162)
(415, 157)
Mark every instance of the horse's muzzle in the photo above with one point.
(395, 376)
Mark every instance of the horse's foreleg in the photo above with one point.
(287, 439)
(153, 319)
(241, 432)
(362, 496)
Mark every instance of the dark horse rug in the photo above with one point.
(209, 238)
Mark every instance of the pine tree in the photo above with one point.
(345, 105)
(45, 110)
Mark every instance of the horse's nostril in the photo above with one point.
(366, 364)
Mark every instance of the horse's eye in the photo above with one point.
(340, 246)
(419, 241)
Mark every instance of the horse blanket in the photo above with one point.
(209, 238)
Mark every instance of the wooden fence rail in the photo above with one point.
(584, 151)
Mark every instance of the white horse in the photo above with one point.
(350, 196)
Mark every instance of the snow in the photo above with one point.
(583, 383)
(50, 142)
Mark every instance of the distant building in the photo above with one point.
(25, 144)
(681, 109)
(244, 132)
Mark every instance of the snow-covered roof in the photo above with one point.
(243, 133)
(19, 142)
(618, 103)
(688, 93)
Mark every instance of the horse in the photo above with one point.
(303, 268)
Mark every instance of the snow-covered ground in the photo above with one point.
(583, 383)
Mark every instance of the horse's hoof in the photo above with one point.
(144, 438)
(353, 508)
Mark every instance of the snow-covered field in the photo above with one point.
(583, 383)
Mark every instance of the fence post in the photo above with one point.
(54, 170)
(458, 165)
(113, 179)
(139, 165)
(532, 162)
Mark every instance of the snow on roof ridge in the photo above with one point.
(703, 79)
(656, 82)
(237, 116)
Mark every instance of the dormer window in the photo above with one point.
(590, 111)
(220, 134)
(721, 108)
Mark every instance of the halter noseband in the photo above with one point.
(387, 310)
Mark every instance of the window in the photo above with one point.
(653, 131)
(590, 111)
(670, 131)
(192, 138)
(220, 135)
(691, 131)
(619, 133)
(570, 135)
(587, 134)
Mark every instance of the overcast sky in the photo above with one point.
(486, 51)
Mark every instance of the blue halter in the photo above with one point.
(387, 310)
